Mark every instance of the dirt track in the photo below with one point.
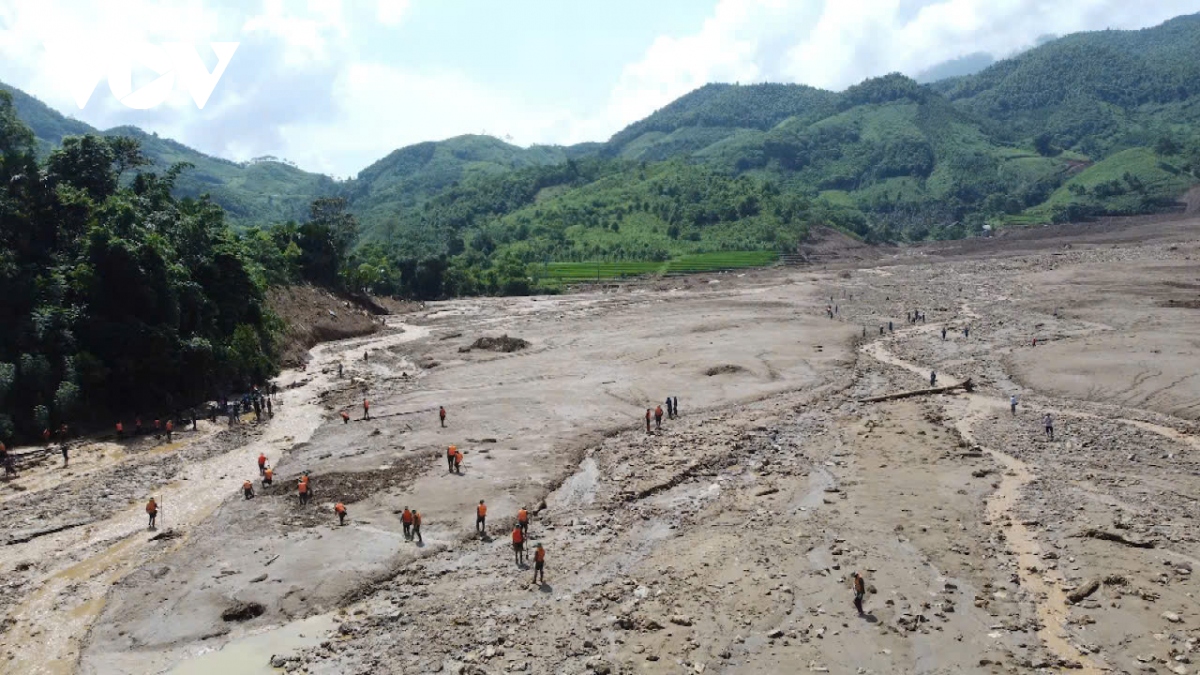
(723, 542)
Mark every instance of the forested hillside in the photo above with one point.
(250, 193)
(120, 297)
(1087, 125)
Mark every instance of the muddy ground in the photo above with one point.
(722, 542)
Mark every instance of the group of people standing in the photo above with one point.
(656, 413)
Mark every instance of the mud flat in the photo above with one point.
(722, 542)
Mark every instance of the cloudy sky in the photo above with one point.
(336, 84)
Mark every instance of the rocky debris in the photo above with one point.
(724, 369)
(504, 344)
(1077, 595)
(167, 534)
(243, 611)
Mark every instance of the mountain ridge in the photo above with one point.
(888, 157)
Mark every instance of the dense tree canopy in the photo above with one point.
(117, 299)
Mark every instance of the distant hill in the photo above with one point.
(959, 67)
(1079, 126)
(389, 190)
(714, 113)
(1094, 92)
(260, 192)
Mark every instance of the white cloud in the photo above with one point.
(305, 35)
(392, 12)
(381, 108)
(303, 86)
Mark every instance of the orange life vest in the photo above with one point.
(120, 427)
(417, 518)
(303, 487)
(451, 450)
(407, 517)
(518, 537)
(247, 485)
(539, 555)
(262, 460)
(522, 516)
(151, 506)
(340, 508)
(345, 415)
(170, 425)
(481, 510)
(457, 457)
(269, 474)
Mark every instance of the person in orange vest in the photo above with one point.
(366, 409)
(262, 463)
(170, 429)
(658, 417)
(268, 477)
(302, 488)
(248, 489)
(647, 420)
(340, 510)
(120, 431)
(46, 437)
(481, 519)
(442, 415)
(523, 520)
(152, 511)
(518, 538)
(458, 461)
(539, 563)
(407, 519)
(345, 417)
(416, 530)
(450, 452)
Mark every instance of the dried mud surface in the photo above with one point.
(722, 542)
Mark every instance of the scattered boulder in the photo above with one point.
(724, 369)
(243, 611)
(504, 343)
(1083, 591)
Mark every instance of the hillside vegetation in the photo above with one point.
(122, 299)
(1087, 125)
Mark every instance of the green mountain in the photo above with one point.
(387, 193)
(254, 192)
(1085, 125)
(1095, 92)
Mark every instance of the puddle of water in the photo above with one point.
(251, 655)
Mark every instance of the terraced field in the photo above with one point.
(576, 272)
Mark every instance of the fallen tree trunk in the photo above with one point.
(965, 385)
(1077, 595)
(30, 536)
(1113, 536)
